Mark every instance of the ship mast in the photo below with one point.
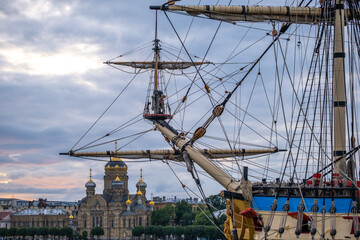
(339, 98)
(157, 94)
(156, 50)
(302, 15)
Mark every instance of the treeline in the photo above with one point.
(183, 215)
(190, 232)
(53, 232)
(181, 221)
(32, 232)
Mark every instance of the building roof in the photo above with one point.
(2, 199)
(127, 213)
(139, 207)
(4, 215)
(40, 211)
(106, 197)
(115, 162)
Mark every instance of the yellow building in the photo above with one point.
(40, 217)
(116, 211)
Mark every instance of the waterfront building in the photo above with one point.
(40, 217)
(115, 210)
(160, 202)
(5, 220)
(13, 204)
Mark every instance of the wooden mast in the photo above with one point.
(156, 50)
(339, 98)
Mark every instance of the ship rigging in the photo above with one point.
(314, 193)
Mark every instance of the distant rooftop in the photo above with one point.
(163, 199)
(40, 211)
(4, 215)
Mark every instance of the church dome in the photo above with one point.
(141, 182)
(90, 183)
(116, 163)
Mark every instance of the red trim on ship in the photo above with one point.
(295, 214)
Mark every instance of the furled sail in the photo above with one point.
(255, 13)
(170, 154)
(161, 65)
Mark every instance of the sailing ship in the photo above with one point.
(292, 175)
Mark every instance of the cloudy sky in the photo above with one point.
(53, 86)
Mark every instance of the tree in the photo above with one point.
(178, 231)
(22, 232)
(168, 230)
(66, 231)
(77, 235)
(198, 231)
(222, 227)
(188, 218)
(138, 231)
(42, 231)
(217, 201)
(158, 231)
(211, 232)
(181, 208)
(221, 219)
(53, 231)
(149, 230)
(4, 232)
(12, 232)
(162, 216)
(84, 235)
(97, 231)
(202, 218)
(188, 232)
(32, 232)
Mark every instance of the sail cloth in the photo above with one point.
(161, 65)
(254, 13)
(173, 155)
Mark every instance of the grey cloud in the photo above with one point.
(47, 114)
(39, 190)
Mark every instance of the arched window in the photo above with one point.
(112, 223)
(129, 223)
(85, 223)
(140, 221)
(93, 222)
(124, 222)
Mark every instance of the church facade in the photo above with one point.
(115, 210)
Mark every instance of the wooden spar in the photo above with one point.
(156, 64)
(228, 182)
(339, 97)
(156, 51)
(161, 65)
(170, 154)
(306, 15)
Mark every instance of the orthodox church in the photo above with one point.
(116, 211)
